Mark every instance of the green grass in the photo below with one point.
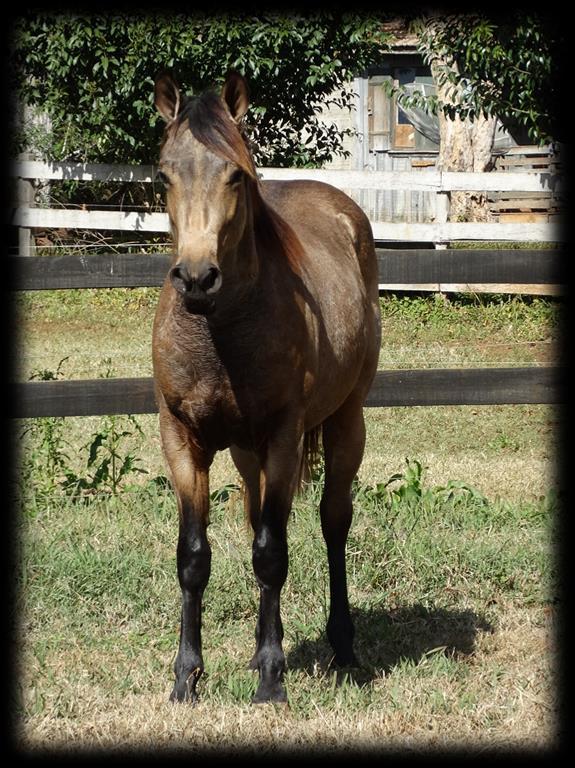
(98, 328)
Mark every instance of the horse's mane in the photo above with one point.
(211, 124)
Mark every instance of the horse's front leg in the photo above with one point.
(189, 474)
(270, 561)
(194, 560)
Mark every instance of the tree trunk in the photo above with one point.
(464, 145)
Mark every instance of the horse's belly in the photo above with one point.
(348, 349)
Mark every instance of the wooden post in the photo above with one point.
(442, 206)
(25, 198)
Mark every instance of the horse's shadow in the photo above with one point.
(384, 638)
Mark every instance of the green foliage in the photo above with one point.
(406, 491)
(504, 65)
(108, 463)
(47, 436)
(93, 76)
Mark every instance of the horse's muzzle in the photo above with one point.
(197, 290)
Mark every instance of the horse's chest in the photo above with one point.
(225, 386)
(216, 400)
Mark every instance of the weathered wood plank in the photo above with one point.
(382, 230)
(524, 289)
(429, 181)
(430, 265)
(349, 179)
(108, 270)
(439, 386)
(451, 231)
(83, 397)
(396, 266)
(399, 266)
(467, 386)
(35, 169)
(70, 218)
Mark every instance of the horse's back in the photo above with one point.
(321, 213)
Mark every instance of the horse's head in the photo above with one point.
(208, 171)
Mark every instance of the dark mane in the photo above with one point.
(210, 123)
(275, 235)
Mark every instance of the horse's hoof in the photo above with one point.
(177, 696)
(270, 695)
(184, 693)
(345, 660)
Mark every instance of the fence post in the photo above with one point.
(25, 194)
(442, 206)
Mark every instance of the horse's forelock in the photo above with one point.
(212, 125)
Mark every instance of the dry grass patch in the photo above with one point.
(502, 697)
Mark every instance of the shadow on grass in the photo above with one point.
(385, 638)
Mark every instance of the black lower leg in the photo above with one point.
(194, 560)
(340, 629)
(270, 562)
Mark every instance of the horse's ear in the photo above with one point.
(236, 95)
(166, 96)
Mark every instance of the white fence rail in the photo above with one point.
(440, 231)
(436, 232)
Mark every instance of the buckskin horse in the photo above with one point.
(267, 333)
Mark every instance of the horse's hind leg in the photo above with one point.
(249, 466)
(344, 441)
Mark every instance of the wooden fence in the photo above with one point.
(27, 216)
(439, 268)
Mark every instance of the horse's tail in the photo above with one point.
(311, 456)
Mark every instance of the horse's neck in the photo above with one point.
(252, 264)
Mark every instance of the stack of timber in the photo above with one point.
(526, 206)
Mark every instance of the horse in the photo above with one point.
(265, 340)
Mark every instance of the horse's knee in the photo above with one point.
(194, 557)
(270, 558)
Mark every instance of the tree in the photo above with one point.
(93, 76)
(507, 66)
(466, 140)
(488, 69)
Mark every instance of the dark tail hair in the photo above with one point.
(311, 456)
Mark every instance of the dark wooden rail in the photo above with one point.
(460, 386)
(400, 266)
(437, 386)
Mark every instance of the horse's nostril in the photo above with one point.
(210, 280)
(180, 278)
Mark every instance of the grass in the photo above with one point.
(98, 328)
(450, 562)
(452, 602)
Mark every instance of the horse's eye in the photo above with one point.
(236, 177)
(162, 178)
